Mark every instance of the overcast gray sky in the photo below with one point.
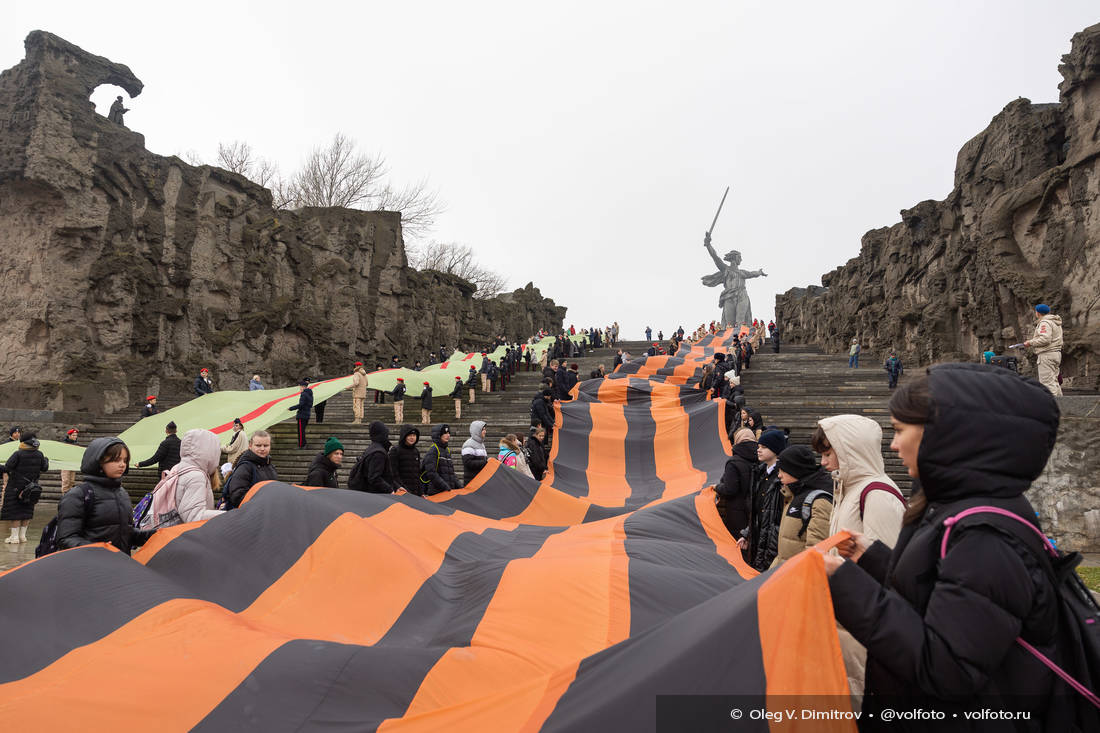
(585, 145)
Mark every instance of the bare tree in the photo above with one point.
(418, 205)
(338, 175)
(458, 259)
(238, 157)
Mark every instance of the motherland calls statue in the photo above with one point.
(117, 110)
(734, 300)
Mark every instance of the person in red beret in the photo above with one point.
(68, 478)
(456, 393)
(399, 401)
(426, 404)
(150, 406)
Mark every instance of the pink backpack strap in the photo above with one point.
(953, 520)
(877, 486)
(1049, 546)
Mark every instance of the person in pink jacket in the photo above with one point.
(187, 489)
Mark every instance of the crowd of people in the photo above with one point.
(920, 619)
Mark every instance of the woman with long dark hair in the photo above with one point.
(941, 634)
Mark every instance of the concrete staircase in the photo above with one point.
(505, 412)
(801, 385)
(793, 389)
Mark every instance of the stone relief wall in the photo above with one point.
(125, 271)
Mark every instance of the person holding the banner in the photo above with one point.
(946, 615)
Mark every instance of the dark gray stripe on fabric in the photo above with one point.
(354, 687)
(710, 649)
(704, 443)
(673, 564)
(641, 459)
(261, 540)
(505, 494)
(571, 465)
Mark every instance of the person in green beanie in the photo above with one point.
(322, 472)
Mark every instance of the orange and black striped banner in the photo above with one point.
(566, 604)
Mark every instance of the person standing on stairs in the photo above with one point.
(437, 471)
(68, 478)
(322, 472)
(456, 395)
(808, 492)
(1046, 342)
(379, 395)
(399, 401)
(853, 354)
(203, 385)
(168, 452)
(358, 392)
(471, 383)
(865, 500)
(250, 468)
(893, 368)
(304, 408)
(946, 615)
(474, 453)
(426, 404)
(405, 460)
(237, 444)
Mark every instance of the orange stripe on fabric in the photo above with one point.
(795, 611)
(672, 454)
(549, 477)
(196, 650)
(552, 508)
(402, 548)
(715, 528)
(723, 436)
(478, 481)
(533, 633)
(606, 472)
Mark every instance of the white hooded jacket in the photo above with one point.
(194, 498)
(857, 442)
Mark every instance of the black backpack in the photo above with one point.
(226, 500)
(1078, 612)
(48, 543)
(357, 479)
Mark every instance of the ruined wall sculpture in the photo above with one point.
(124, 272)
(1021, 227)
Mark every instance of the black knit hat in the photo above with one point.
(774, 440)
(798, 461)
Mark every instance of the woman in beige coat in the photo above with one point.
(865, 500)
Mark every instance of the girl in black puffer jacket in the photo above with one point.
(98, 510)
(941, 634)
(405, 460)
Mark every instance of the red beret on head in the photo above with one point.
(70, 431)
(459, 378)
(427, 385)
(400, 379)
(151, 397)
(358, 363)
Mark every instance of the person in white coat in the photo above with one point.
(865, 500)
(187, 489)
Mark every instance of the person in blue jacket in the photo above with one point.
(304, 407)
